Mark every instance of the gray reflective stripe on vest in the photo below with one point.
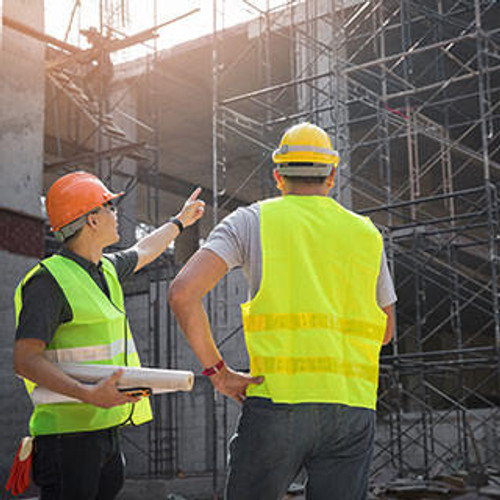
(306, 149)
(102, 352)
(312, 171)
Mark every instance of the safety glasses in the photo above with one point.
(109, 205)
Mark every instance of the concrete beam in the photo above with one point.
(164, 181)
(184, 188)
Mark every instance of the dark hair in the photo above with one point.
(304, 180)
(73, 236)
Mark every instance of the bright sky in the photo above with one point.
(139, 15)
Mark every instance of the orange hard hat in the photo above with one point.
(74, 195)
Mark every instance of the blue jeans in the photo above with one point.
(274, 441)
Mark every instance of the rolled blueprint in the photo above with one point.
(158, 380)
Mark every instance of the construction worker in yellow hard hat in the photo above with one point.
(320, 307)
(70, 308)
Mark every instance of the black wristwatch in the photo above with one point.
(178, 223)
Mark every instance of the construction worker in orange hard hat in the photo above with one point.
(320, 307)
(71, 198)
(70, 308)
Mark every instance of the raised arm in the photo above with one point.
(153, 245)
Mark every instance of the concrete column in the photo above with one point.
(123, 117)
(21, 223)
(322, 23)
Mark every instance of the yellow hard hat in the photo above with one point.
(305, 150)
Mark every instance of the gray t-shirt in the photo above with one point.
(236, 240)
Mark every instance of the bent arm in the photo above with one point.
(203, 271)
(197, 278)
(30, 363)
(389, 329)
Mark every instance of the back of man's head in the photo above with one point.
(305, 155)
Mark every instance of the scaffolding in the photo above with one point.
(409, 91)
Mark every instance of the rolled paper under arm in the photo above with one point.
(158, 380)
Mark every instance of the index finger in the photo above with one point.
(194, 194)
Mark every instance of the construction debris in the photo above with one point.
(492, 491)
(415, 488)
(175, 496)
(462, 485)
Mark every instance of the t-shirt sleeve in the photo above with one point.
(44, 308)
(227, 239)
(124, 261)
(386, 294)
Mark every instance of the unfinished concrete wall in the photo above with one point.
(21, 226)
(184, 427)
(120, 171)
(196, 435)
(325, 98)
(22, 104)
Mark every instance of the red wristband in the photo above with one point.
(208, 372)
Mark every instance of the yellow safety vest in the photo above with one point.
(314, 329)
(98, 333)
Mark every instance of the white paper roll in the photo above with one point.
(158, 380)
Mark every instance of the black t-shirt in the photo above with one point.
(45, 306)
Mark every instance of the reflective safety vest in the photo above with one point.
(98, 333)
(314, 329)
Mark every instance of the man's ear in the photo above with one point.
(330, 180)
(91, 220)
(280, 182)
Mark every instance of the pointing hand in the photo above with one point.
(192, 210)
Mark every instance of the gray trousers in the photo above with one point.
(274, 441)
